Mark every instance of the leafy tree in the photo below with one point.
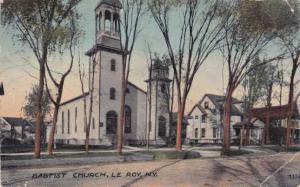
(246, 36)
(30, 107)
(41, 26)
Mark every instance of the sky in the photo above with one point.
(18, 67)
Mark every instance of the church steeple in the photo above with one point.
(107, 21)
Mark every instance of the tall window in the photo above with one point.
(113, 65)
(111, 122)
(127, 119)
(93, 123)
(63, 122)
(75, 119)
(68, 121)
(112, 94)
(107, 23)
(116, 22)
(203, 132)
(196, 132)
(203, 118)
(162, 126)
(214, 132)
(163, 88)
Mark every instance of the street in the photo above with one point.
(281, 169)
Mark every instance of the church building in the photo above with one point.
(105, 57)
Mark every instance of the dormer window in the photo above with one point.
(206, 106)
(113, 65)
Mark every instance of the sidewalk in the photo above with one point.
(74, 161)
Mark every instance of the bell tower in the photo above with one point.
(158, 105)
(107, 23)
(105, 71)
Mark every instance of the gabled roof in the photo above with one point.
(218, 101)
(17, 122)
(74, 99)
(199, 107)
(136, 87)
(114, 3)
(222, 98)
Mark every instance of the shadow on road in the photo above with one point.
(156, 170)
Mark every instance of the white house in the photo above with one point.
(107, 53)
(206, 121)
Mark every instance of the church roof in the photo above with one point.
(136, 87)
(75, 98)
(114, 3)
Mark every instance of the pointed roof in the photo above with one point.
(14, 121)
(218, 101)
(113, 3)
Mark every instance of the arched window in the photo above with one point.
(127, 119)
(97, 21)
(116, 22)
(107, 23)
(162, 122)
(113, 65)
(112, 94)
(100, 21)
(111, 122)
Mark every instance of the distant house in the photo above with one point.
(278, 116)
(206, 120)
(16, 128)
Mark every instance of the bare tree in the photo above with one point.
(39, 25)
(59, 85)
(87, 112)
(130, 25)
(199, 35)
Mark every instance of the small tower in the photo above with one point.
(158, 89)
(108, 22)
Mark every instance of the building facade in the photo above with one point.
(206, 121)
(105, 80)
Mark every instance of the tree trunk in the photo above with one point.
(53, 129)
(39, 116)
(242, 135)
(290, 104)
(150, 108)
(227, 139)
(120, 129)
(267, 127)
(181, 108)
